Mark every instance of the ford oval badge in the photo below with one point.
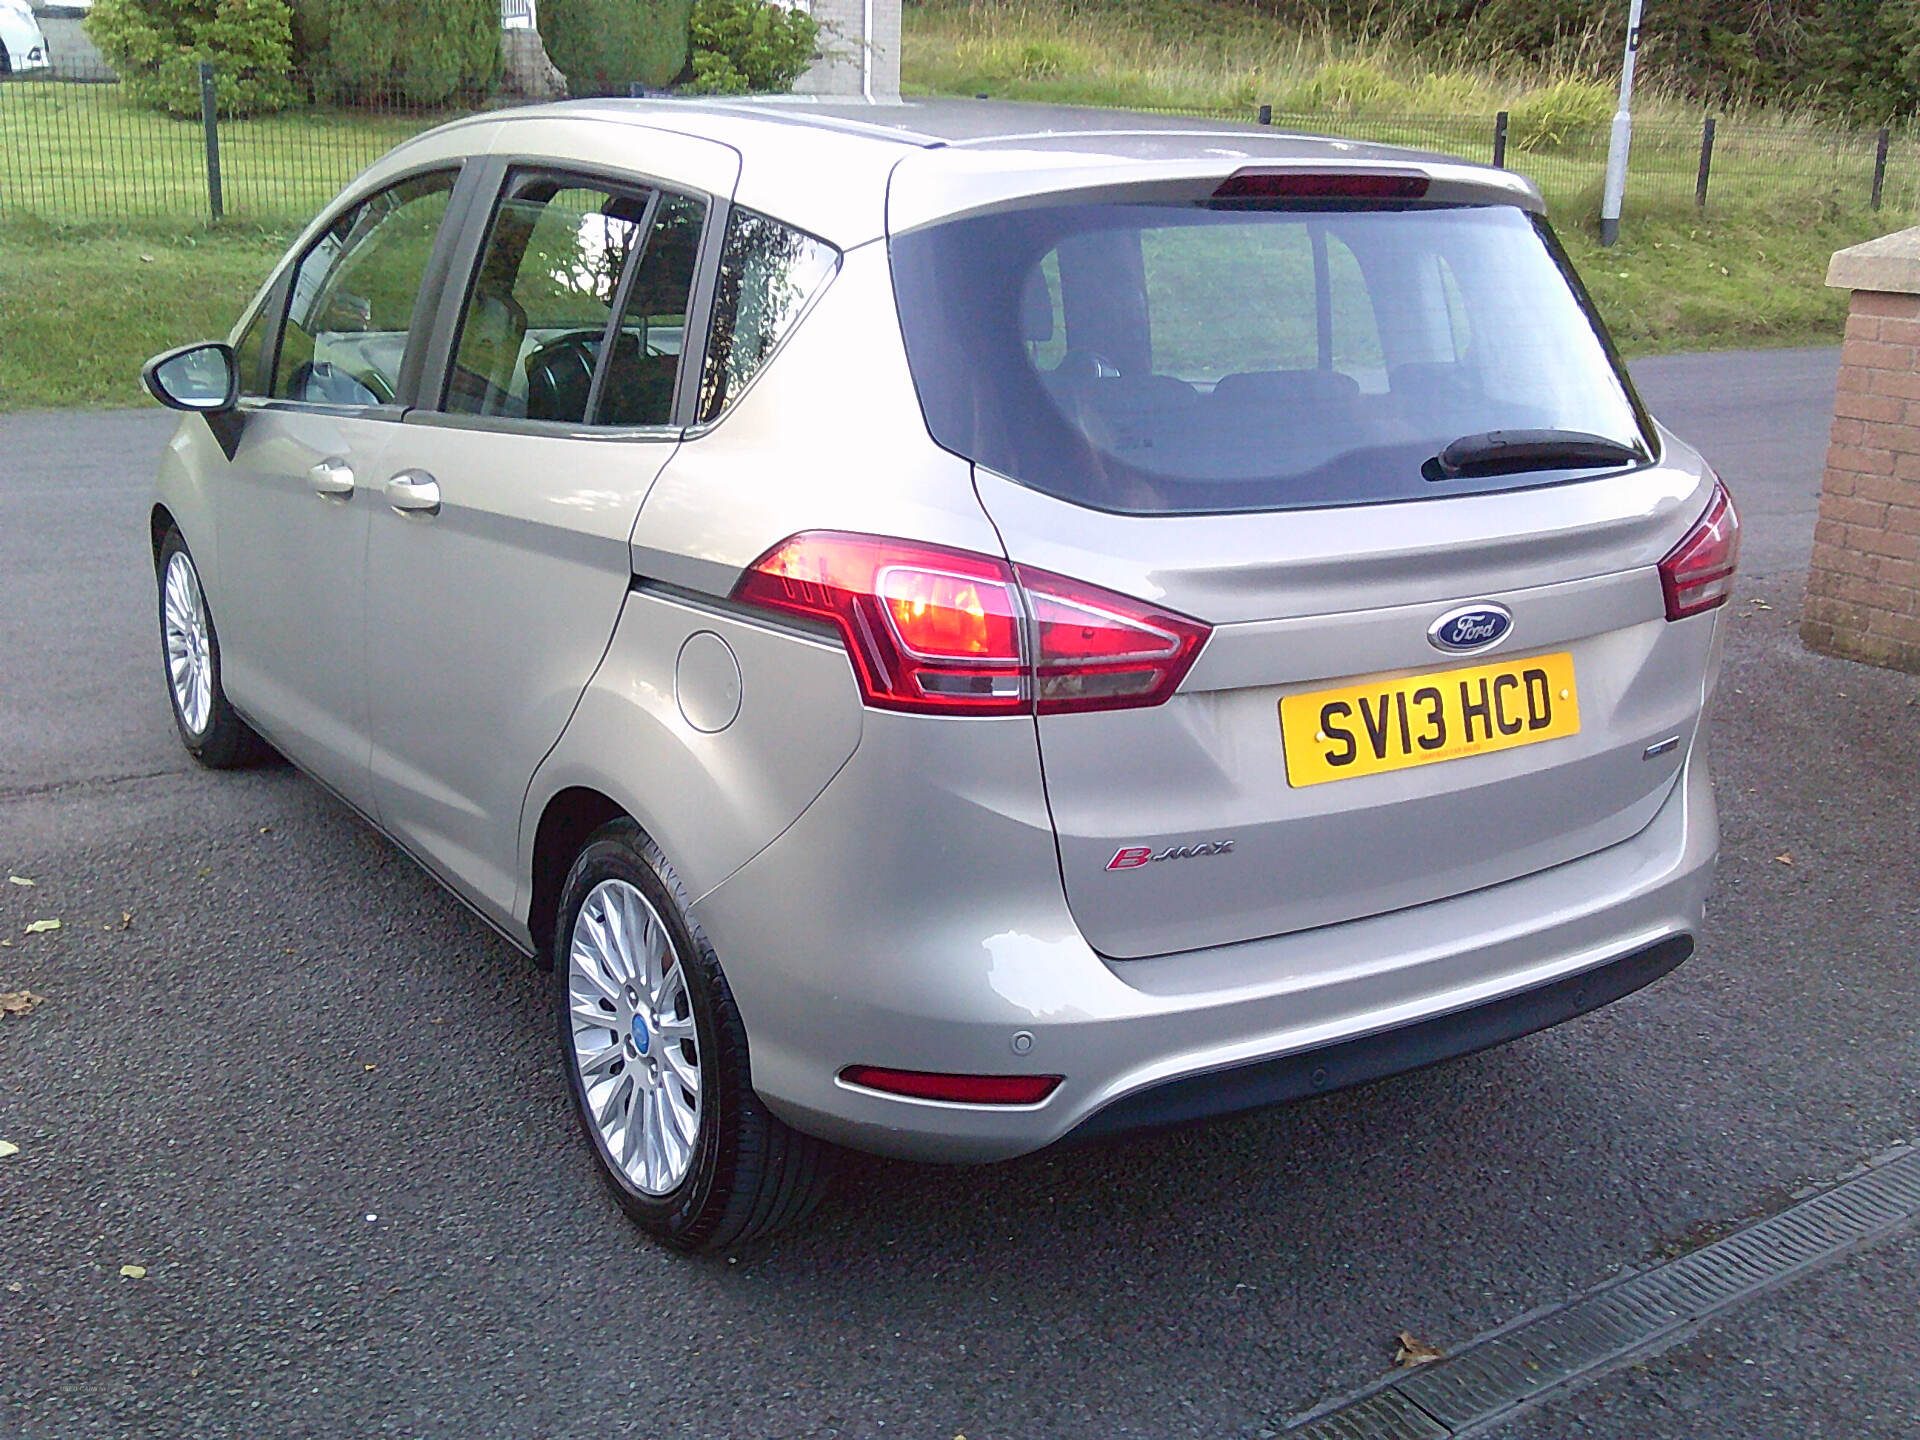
(1471, 628)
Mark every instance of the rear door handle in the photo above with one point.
(414, 492)
(332, 477)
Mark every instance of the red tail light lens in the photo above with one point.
(1101, 651)
(1698, 572)
(948, 632)
(958, 1089)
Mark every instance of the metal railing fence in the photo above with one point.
(73, 152)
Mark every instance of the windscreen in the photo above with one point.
(1162, 359)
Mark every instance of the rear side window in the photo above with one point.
(353, 296)
(1162, 359)
(576, 312)
(768, 274)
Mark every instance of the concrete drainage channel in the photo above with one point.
(1537, 1356)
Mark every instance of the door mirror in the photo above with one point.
(200, 378)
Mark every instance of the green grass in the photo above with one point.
(80, 310)
(1729, 280)
(81, 154)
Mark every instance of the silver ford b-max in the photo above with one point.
(955, 628)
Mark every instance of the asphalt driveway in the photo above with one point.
(286, 1075)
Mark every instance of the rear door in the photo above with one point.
(1235, 414)
(498, 559)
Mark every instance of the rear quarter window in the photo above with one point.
(769, 274)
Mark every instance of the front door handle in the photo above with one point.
(414, 492)
(332, 477)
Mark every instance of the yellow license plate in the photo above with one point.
(1424, 719)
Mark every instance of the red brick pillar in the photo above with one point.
(1863, 592)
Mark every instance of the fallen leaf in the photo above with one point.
(1785, 857)
(40, 927)
(19, 1002)
(7, 1147)
(126, 918)
(1412, 1351)
(19, 880)
(134, 1272)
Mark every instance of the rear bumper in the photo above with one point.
(915, 920)
(1390, 1052)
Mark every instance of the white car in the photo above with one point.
(23, 46)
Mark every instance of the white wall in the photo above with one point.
(856, 62)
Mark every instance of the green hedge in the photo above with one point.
(158, 46)
(415, 52)
(604, 46)
(750, 45)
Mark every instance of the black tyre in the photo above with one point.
(656, 1058)
(190, 652)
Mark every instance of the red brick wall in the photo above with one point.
(1863, 594)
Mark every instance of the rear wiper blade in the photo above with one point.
(1511, 452)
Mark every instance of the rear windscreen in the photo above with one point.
(1162, 359)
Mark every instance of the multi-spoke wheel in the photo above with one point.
(656, 1057)
(634, 1045)
(209, 728)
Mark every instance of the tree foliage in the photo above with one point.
(417, 52)
(741, 46)
(604, 46)
(157, 47)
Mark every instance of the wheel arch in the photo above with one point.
(570, 816)
(158, 524)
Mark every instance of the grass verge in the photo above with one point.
(80, 310)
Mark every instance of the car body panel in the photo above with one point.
(1208, 767)
(25, 42)
(711, 798)
(288, 587)
(492, 614)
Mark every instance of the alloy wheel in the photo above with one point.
(634, 1045)
(183, 624)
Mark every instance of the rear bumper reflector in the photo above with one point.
(1390, 1052)
(955, 1089)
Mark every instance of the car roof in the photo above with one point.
(852, 171)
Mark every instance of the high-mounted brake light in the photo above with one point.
(956, 1089)
(947, 632)
(1322, 185)
(1698, 572)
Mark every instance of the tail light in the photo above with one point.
(948, 632)
(1698, 572)
(956, 1089)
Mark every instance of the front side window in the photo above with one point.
(1162, 359)
(353, 295)
(768, 274)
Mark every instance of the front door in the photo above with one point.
(292, 513)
